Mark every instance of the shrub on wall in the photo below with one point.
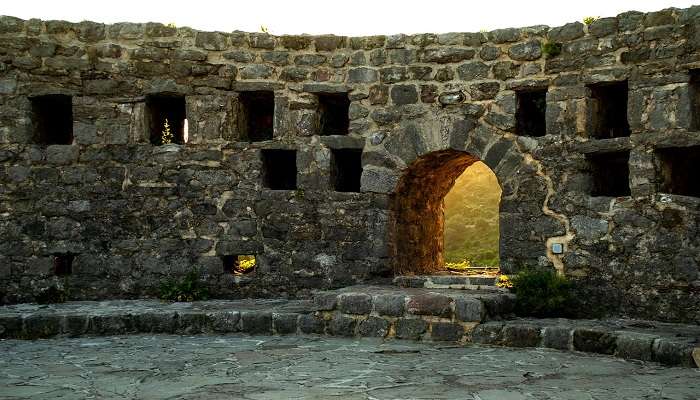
(543, 293)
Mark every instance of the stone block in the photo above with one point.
(594, 340)
(673, 352)
(446, 331)
(284, 323)
(225, 322)
(355, 303)
(114, 324)
(469, 309)
(373, 327)
(521, 335)
(430, 304)
(193, 322)
(410, 328)
(10, 326)
(390, 305)
(557, 337)
(325, 301)
(488, 333)
(342, 325)
(363, 75)
(634, 346)
(311, 323)
(256, 322)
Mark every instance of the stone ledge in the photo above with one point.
(670, 344)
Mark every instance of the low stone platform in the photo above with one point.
(459, 316)
(474, 282)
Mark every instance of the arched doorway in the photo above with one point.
(418, 211)
(472, 221)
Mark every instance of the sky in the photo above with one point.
(352, 17)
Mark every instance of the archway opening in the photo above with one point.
(418, 214)
(471, 221)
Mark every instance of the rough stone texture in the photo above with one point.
(234, 367)
(135, 214)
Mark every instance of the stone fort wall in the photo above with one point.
(327, 156)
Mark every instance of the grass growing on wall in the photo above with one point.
(471, 217)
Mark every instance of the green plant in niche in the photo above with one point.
(189, 288)
(551, 49)
(542, 293)
(590, 20)
(53, 295)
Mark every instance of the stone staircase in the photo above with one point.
(431, 308)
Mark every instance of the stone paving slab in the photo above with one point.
(207, 367)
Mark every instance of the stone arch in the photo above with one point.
(435, 156)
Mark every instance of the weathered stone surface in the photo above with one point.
(594, 341)
(429, 304)
(390, 305)
(557, 337)
(373, 327)
(446, 331)
(410, 328)
(469, 310)
(156, 211)
(355, 303)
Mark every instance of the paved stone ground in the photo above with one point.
(245, 367)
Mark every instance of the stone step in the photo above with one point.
(473, 282)
(417, 314)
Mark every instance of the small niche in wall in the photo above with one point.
(279, 169)
(530, 112)
(239, 264)
(256, 111)
(52, 119)
(167, 120)
(63, 264)
(694, 91)
(610, 173)
(608, 110)
(334, 113)
(346, 169)
(679, 170)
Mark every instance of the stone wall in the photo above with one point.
(617, 194)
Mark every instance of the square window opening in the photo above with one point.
(694, 89)
(610, 174)
(608, 111)
(678, 167)
(530, 112)
(239, 264)
(279, 169)
(167, 119)
(334, 109)
(52, 119)
(346, 169)
(63, 264)
(256, 111)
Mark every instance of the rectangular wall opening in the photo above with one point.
(610, 174)
(346, 169)
(279, 169)
(52, 119)
(63, 264)
(166, 116)
(530, 112)
(694, 91)
(608, 113)
(239, 264)
(256, 111)
(679, 170)
(334, 111)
